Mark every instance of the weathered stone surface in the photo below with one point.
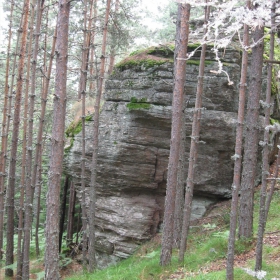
(134, 149)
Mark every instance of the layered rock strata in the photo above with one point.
(135, 125)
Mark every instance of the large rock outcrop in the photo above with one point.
(135, 126)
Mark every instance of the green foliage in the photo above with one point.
(273, 121)
(136, 104)
(76, 127)
(145, 62)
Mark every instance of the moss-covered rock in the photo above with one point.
(73, 129)
(136, 104)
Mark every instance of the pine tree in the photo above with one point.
(57, 147)
(177, 108)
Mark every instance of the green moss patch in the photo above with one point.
(166, 51)
(76, 127)
(146, 61)
(73, 129)
(136, 104)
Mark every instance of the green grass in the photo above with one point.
(207, 246)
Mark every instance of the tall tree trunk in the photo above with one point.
(91, 251)
(4, 132)
(71, 213)
(24, 149)
(272, 185)
(92, 48)
(181, 176)
(265, 154)
(194, 145)
(44, 94)
(57, 147)
(29, 189)
(16, 122)
(238, 152)
(39, 188)
(251, 138)
(177, 107)
(82, 96)
(63, 211)
(113, 47)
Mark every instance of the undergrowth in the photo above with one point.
(207, 248)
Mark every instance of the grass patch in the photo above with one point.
(205, 256)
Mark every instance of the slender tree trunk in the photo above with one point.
(194, 146)
(39, 188)
(113, 47)
(272, 186)
(44, 94)
(71, 213)
(238, 153)
(181, 179)
(251, 138)
(16, 122)
(177, 107)
(57, 148)
(92, 48)
(63, 211)
(4, 133)
(24, 148)
(91, 252)
(181, 176)
(29, 189)
(265, 155)
(82, 96)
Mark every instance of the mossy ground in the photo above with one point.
(155, 56)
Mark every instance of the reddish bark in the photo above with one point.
(194, 147)
(16, 123)
(177, 107)
(57, 147)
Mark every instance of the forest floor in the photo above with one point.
(205, 258)
(210, 234)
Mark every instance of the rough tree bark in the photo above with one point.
(238, 152)
(91, 250)
(38, 150)
(63, 211)
(57, 147)
(82, 96)
(177, 108)
(15, 132)
(4, 132)
(71, 214)
(265, 152)
(251, 138)
(194, 145)
(181, 176)
(24, 149)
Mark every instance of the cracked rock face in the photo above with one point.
(134, 150)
